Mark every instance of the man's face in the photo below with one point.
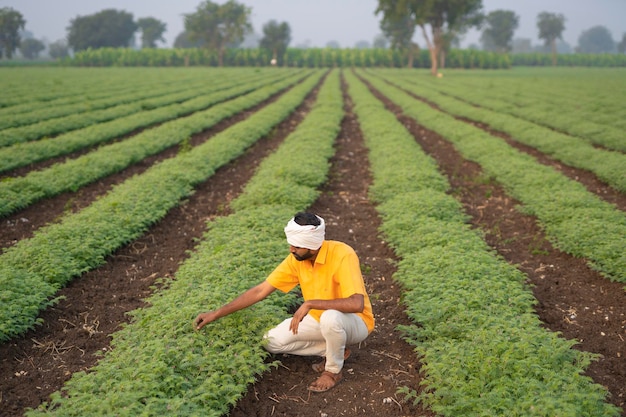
(301, 254)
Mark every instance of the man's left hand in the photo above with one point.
(298, 317)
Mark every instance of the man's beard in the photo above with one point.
(304, 257)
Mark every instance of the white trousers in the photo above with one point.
(327, 338)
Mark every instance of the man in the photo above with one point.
(336, 311)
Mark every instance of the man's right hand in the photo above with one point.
(204, 319)
(251, 296)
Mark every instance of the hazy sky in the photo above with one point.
(317, 22)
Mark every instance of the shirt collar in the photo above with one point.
(323, 252)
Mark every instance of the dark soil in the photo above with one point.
(572, 299)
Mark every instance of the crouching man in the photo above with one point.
(336, 311)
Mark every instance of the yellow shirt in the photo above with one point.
(336, 274)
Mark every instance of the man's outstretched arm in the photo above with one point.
(251, 296)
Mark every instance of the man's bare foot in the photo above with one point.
(325, 382)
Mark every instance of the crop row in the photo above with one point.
(19, 192)
(609, 166)
(574, 219)
(602, 124)
(25, 153)
(569, 60)
(34, 269)
(79, 105)
(484, 351)
(24, 88)
(159, 365)
(590, 94)
(585, 96)
(128, 107)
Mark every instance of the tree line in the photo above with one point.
(449, 20)
(219, 27)
(212, 26)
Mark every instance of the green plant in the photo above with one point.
(185, 145)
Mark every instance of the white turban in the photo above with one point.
(307, 236)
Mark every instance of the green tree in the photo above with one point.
(58, 49)
(551, 27)
(451, 38)
(30, 48)
(399, 30)
(446, 18)
(218, 26)
(276, 38)
(152, 30)
(498, 33)
(621, 47)
(108, 28)
(11, 21)
(596, 40)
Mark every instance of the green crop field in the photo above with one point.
(471, 311)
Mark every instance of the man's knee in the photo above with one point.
(334, 323)
(276, 339)
(331, 320)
